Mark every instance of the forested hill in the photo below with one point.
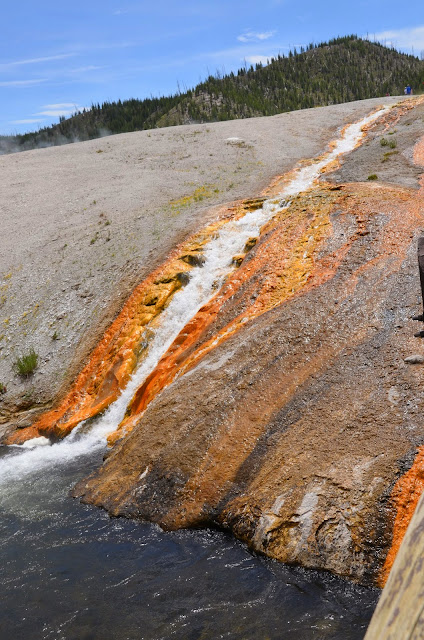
(341, 70)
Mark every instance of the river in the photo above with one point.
(69, 572)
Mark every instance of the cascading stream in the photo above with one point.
(204, 281)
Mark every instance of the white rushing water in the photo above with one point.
(204, 281)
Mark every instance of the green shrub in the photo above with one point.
(2, 388)
(373, 176)
(384, 142)
(393, 143)
(27, 364)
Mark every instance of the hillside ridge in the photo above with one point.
(342, 70)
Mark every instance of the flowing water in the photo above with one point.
(68, 571)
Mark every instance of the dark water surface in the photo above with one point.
(69, 572)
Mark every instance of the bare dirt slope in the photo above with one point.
(82, 224)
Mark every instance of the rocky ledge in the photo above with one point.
(291, 413)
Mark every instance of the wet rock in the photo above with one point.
(238, 259)
(194, 259)
(285, 442)
(250, 244)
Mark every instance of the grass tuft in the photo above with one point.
(388, 154)
(373, 176)
(27, 364)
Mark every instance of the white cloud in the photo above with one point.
(402, 38)
(84, 69)
(17, 63)
(59, 109)
(21, 83)
(258, 59)
(27, 121)
(58, 112)
(254, 36)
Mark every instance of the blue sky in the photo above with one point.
(59, 56)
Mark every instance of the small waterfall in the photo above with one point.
(204, 281)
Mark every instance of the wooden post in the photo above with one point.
(400, 611)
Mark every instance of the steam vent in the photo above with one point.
(263, 376)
